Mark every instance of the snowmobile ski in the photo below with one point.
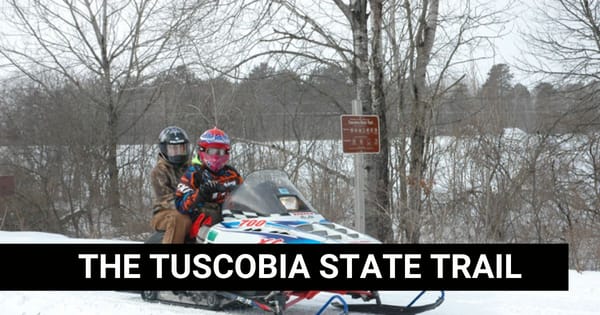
(199, 299)
(219, 300)
(387, 309)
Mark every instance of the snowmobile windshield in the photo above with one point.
(267, 192)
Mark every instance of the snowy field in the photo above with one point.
(583, 297)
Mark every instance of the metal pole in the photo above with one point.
(359, 193)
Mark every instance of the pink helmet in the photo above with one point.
(213, 149)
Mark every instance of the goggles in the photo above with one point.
(216, 151)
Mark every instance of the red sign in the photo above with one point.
(360, 133)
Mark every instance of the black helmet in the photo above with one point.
(174, 145)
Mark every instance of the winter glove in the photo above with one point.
(214, 187)
(206, 190)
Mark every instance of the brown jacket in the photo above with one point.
(164, 178)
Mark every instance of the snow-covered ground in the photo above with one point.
(583, 297)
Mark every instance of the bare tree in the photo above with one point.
(564, 48)
(564, 40)
(424, 65)
(321, 37)
(118, 45)
(377, 165)
(421, 45)
(370, 95)
(315, 33)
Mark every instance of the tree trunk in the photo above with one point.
(421, 116)
(378, 220)
(361, 53)
(114, 195)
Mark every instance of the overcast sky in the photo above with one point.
(507, 49)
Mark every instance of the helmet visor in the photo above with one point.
(176, 149)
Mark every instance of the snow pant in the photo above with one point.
(175, 224)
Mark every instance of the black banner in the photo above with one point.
(230, 267)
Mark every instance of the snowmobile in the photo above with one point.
(268, 209)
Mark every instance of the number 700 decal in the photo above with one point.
(252, 222)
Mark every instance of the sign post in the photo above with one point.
(360, 134)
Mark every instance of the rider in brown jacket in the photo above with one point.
(173, 160)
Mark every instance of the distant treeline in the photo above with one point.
(273, 105)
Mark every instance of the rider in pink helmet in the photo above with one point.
(213, 149)
(205, 184)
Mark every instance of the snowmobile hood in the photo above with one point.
(267, 208)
